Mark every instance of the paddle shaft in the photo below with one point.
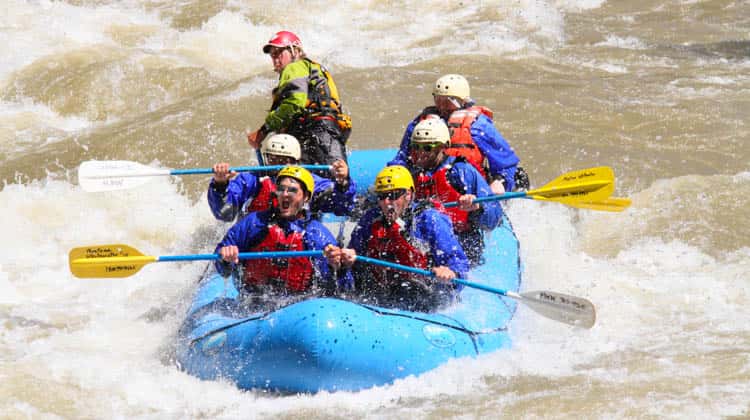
(242, 256)
(612, 204)
(196, 171)
(296, 254)
(145, 259)
(499, 197)
(269, 168)
(431, 274)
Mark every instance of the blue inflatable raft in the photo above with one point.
(331, 344)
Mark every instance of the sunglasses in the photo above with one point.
(281, 189)
(391, 195)
(275, 52)
(424, 147)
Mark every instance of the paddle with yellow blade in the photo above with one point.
(585, 188)
(613, 204)
(111, 175)
(112, 261)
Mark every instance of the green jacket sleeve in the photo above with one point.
(290, 96)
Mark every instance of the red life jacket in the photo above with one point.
(462, 144)
(265, 198)
(439, 189)
(293, 273)
(388, 243)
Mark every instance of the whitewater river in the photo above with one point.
(658, 90)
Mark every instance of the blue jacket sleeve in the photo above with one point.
(471, 182)
(402, 156)
(241, 235)
(329, 197)
(344, 199)
(500, 156)
(435, 228)
(226, 203)
(317, 237)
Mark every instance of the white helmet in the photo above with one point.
(452, 85)
(431, 130)
(281, 145)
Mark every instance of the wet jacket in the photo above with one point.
(306, 104)
(501, 158)
(227, 203)
(305, 88)
(387, 242)
(426, 229)
(292, 274)
(462, 178)
(253, 230)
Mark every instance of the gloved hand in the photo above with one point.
(255, 138)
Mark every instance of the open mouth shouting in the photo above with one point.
(290, 198)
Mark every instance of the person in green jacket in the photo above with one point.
(306, 104)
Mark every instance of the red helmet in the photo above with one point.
(282, 39)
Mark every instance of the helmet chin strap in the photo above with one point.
(437, 160)
(296, 52)
(445, 112)
(455, 102)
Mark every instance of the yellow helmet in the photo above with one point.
(300, 174)
(452, 85)
(393, 178)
